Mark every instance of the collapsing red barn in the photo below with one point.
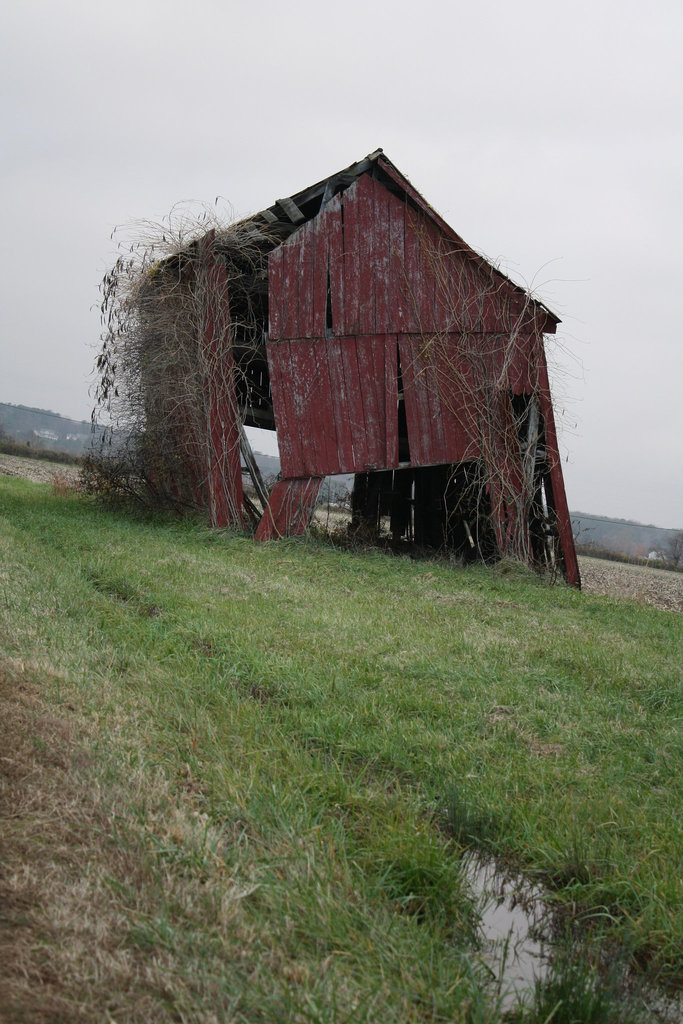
(388, 349)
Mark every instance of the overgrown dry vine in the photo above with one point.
(176, 306)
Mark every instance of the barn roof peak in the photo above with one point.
(288, 214)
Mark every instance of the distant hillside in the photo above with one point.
(623, 536)
(42, 428)
(268, 464)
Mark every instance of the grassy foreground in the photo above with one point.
(251, 771)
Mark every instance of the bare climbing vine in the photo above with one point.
(181, 298)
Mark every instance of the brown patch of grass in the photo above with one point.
(78, 880)
(58, 927)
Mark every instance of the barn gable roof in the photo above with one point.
(288, 214)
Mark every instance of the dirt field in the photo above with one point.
(616, 579)
(640, 583)
(40, 471)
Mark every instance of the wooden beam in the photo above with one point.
(292, 210)
(252, 466)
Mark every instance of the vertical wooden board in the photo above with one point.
(303, 394)
(520, 372)
(431, 266)
(365, 205)
(458, 404)
(427, 355)
(398, 314)
(336, 263)
(381, 263)
(290, 289)
(339, 402)
(356, 414)
(487, 299)
(351, 243)
(320, 241)
(274, 352)
(372, 397)
(391, 400)
(412, 279)
(323, 413)
(286, 419)
(289, 509)
(445, 302)
(306, 243)
(559, 495)
(417, 410)
(275, 280)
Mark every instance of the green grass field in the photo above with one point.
(275, 755)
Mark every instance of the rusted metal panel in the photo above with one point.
(290, 508)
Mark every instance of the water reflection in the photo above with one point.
(514, 926)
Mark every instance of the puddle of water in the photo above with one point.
(514, 926)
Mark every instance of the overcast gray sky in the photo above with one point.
(547, 134)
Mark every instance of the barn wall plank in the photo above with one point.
(324, 420)
(339, 403)
(289, 509)
(351, 261)
(275, 293)
(372, 398)
(356, 412)
(336, 263)
(287, 420)
(391, 400)
(365, 206)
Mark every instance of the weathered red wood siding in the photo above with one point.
(368, 273)
(335, 403)
(390, 270)
(373, 279)
(336, 399)
(289, 509)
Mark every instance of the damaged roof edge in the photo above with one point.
(286, 215)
